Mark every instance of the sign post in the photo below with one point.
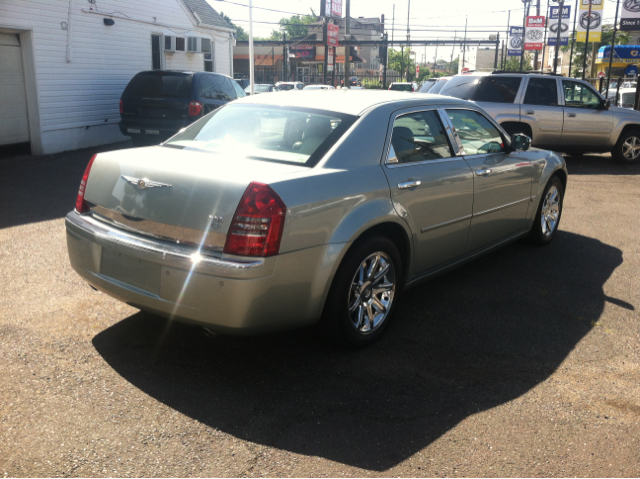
(559, 25)
(534, 33)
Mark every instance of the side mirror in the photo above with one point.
(607, 103)
(520, 142)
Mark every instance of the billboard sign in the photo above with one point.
(563, 25)
(591, 20)
(514, 42)
(630, 17)
(534, 33)
(332, 34)
(333, 8)
(303, 51)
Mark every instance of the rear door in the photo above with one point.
(158, 96)
(542, 111)
(210, 92)
(585, 122)
(431, 188)
(502, 180)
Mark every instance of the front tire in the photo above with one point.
(364, 293)
(545, 225)
(627, 150)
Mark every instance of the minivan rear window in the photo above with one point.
(159, 85)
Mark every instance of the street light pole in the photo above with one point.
(524, 28)
(560, 11)
(613, 46)
(586, 41)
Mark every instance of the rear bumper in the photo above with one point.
(151, 127)
(230, 294)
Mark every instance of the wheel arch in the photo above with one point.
(626, 129)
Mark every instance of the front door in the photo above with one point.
(502, 180)
(431, 188)
(541, 109)
(586, 123)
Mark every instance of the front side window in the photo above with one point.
(498, 89)
(477, 134)
(579, 95)
(264, 132)
(542, 91)
(418, 137)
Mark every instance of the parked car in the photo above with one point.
(404, 86)
(442, 81)
(319, 87)
(289, 85)
(285, 210)
(156, 104)
(243, 82)
(353, 81)
(627, 98)
(558, 113)
(427, 85)
(260, 88)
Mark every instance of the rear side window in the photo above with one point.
(438, 86)
(428, 85)
(476, 133)
(460, 87)
(542, 91)
(159, 85)
(498, 89)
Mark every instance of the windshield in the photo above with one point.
(627, 99)
(265, 132)
(428, 85)
(259, 88)
(401, 87)
(285, 86)
(438, 86)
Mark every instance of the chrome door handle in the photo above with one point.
(484, 172)
(529, 112)
(571, 115)
(409, 184)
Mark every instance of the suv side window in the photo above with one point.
(578, 95)
(477, 135)
(498, 89)
(227, 89)
(542, 91)
(418, 137)
(206, 87)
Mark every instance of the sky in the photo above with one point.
(429, 19)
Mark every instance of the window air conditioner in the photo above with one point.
(192, 45)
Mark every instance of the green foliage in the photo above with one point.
(402, 63)
(512, 64)
(295, 26)
(241, 34)
(622, 38)
(371, 84)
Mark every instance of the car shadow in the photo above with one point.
(604, 164)
(42, 188)
(462, 343)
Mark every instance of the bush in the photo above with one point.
(371, 84)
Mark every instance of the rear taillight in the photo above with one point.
(81, 204)
(195, 107)
(121, 107)
(256, 227)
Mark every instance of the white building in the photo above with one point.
(480, 59)
(65, 63)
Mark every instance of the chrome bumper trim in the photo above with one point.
(101, 230)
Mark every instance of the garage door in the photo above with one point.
(14, 125)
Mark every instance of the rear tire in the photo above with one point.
(364, 294)
(627, 150)
(545, 225)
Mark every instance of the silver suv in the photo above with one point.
(558, 113)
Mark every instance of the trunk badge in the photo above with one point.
(216, 221)
(144, 183)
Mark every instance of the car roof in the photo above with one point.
(349, 101)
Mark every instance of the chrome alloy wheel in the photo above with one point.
(631, 148)
(550, 211)
(372, 290)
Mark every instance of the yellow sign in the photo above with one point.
(592, 20)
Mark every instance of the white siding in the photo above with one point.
(84, 93)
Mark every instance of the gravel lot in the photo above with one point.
(523, 363)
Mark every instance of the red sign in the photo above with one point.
(465, 70)
(333, 8)
(534, 33)
(417, 71)
(332, 34)
(601, 75)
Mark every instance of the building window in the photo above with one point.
(179, 44)
(207, 50)
(192, 44)
(155, 52)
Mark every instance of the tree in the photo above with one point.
(240, 33)
(622, 38)
(296, 26)
(402, 63)
(512, 64)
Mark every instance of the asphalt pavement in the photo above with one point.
(523, 363)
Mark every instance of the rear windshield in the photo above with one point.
(265, 132)
(159, 85)
(461, 87)
(627, 99)
(401, 87)
(285, 87)
(428, 85)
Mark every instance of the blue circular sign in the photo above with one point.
(631, 70)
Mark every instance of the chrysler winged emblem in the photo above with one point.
(144, 183)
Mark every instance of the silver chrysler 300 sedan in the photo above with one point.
(280, 211)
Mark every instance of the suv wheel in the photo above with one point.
(627, 149)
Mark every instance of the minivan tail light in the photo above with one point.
(81, 205)
(195, 107)
(257, 225)
(121, 107)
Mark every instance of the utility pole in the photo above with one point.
(285, 57)
(325, 30)
(453, 46)
(586, 41)
(347, 49)
(524, 28)
(535, 54)
(546, 27)
(613, 45)
(573, 38)
(464, 43)
(560, 12)
(251, 60)
(507, 37)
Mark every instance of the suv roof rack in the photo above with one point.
(530, 72)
